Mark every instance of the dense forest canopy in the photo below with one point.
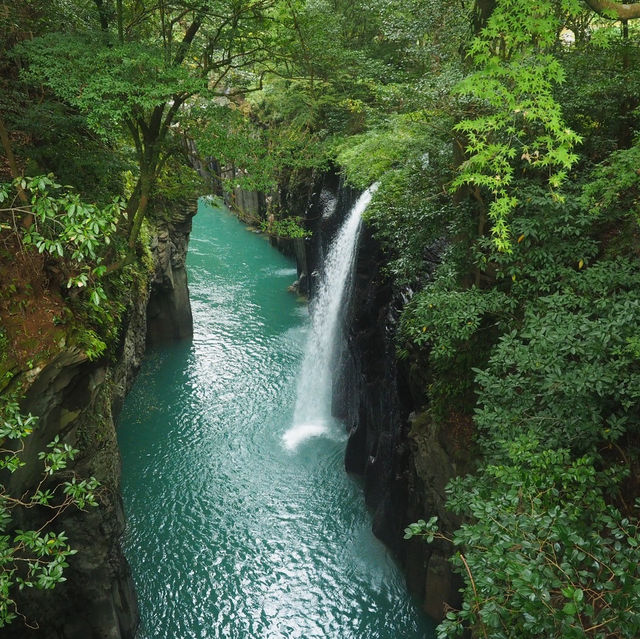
(504, 135)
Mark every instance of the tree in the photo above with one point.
(543, 553)
(539, 349)
(141, 76)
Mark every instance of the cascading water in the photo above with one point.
(312, 414)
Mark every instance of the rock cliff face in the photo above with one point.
(79, 401)
(169, 309)
(405, 463)
(369, 396)
(435, 457)
(323, 206)
(71, 396)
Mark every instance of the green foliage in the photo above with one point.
(615, 186)
(367, 157)
(520, 120)
(75, 237)
(262, 155)
(446, 320)
(4, 352)
(544, 553)
(108, 82)
(64, 224)
(554, 240)
(599, 95)
(54, 133)
(533, 329)
(455, 328)
(553, 265)
(177, 182)
(66, 228)
(411, 222)
(142, 76)
(289, 227)
(35, 558)
(567, 375)
(351, 85)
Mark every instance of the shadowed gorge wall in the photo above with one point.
(79, 400)
(404, 464)
(169, 309)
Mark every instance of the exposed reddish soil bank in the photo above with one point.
(31, 309)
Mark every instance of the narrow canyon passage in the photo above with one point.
(234, 529)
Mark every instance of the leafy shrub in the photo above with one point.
(35, 558)
(65, 227)
(568, 374)
(288, 227)
(543, 553)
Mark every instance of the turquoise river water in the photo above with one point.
(233, 530)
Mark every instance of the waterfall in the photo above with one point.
(312, 414)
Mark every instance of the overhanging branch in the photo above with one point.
(610, 9)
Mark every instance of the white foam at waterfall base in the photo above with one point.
(312, 414)
(301, 432)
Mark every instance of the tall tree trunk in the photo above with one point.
(135, 213)
(146, 183)
(629, 101)
(120, 21)
(102, 15)
(132, 205)
(481, 13)
(27, 220)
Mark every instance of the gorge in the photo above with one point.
(472, 358)
(242, 521)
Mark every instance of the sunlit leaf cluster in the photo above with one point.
(35, 558)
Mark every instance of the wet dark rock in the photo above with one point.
(405, 466)
(72, 398)
(169, 309)
(79, 401)
(368, 396)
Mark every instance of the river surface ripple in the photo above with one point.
(232, 532)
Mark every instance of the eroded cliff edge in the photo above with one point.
(79, 400)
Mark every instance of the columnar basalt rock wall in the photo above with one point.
(323, 206)
(434, 459)
(404, 461)
(72, 398)
(79, 400)
(169, 309)
(368, 396)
